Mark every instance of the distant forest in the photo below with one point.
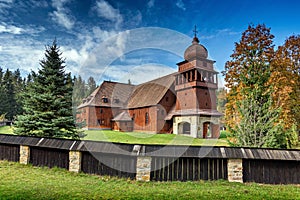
(13, 86)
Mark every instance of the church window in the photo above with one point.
(146, 118)
(104, 99)
(101, 110)
(167, 99)
(100, 121)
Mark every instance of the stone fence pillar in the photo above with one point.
(143, 168)
(75, 161)
(24, 154)
(235, 170)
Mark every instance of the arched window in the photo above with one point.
(146, 118)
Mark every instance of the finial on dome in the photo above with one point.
(195, 39)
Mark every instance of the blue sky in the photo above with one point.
(129, 39)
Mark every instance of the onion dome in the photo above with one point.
(195, 51)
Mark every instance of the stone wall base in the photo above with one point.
(24, 154)
(143, 169)
(235, 170)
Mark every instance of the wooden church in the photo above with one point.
(183, 102)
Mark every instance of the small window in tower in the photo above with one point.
(205, 93)
(104, 99)
(101, 110)
(146, 118)
(167, 99)
(206, 104)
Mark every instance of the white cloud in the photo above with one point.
(180, 4)
(140, 73)
(4, 28)
(105, 10)
(101, 59)
(5, 4)
(15, 30)
(150, 3)
(62, 15)
(20, 52)
(218, 33)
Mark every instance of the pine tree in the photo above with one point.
(9, 100)
(91, 85)
(48, 100)
(2, 92)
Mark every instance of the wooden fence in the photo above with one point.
(156, 162)
(185, 169)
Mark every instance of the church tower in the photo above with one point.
(195, 86)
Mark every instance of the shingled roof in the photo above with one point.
(150, 93)
(123, 116)
(117, 95)
(130, 96)
(188, 112)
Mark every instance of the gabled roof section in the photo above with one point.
(150, 93)
(188, 112)
(109, 94)
(123, 116)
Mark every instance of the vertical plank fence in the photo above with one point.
(109, 164)
(49, 157)
(10, 152)
(156, 162)
(185, 169)
(271, 171)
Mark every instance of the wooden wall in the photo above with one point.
(108, 164)
(271, 171)
(139, 119)
(10, 152)
(49, 157)
(98, 117)
(188, 169)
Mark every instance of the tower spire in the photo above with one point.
(195, 39)
(195, 31)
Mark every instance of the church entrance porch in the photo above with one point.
(184, 128)
(196, 126)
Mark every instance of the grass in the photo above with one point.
(27, 182)
(148, 138)
(141, 138)
(6, 130)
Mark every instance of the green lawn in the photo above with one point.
(6, 130)
(27, 182)
(148, 138)
(139, 138)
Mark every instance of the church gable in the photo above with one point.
(150, 93)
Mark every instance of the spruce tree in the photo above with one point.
(48, 100)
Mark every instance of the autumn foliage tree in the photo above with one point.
(251, 114)
(285, 78)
